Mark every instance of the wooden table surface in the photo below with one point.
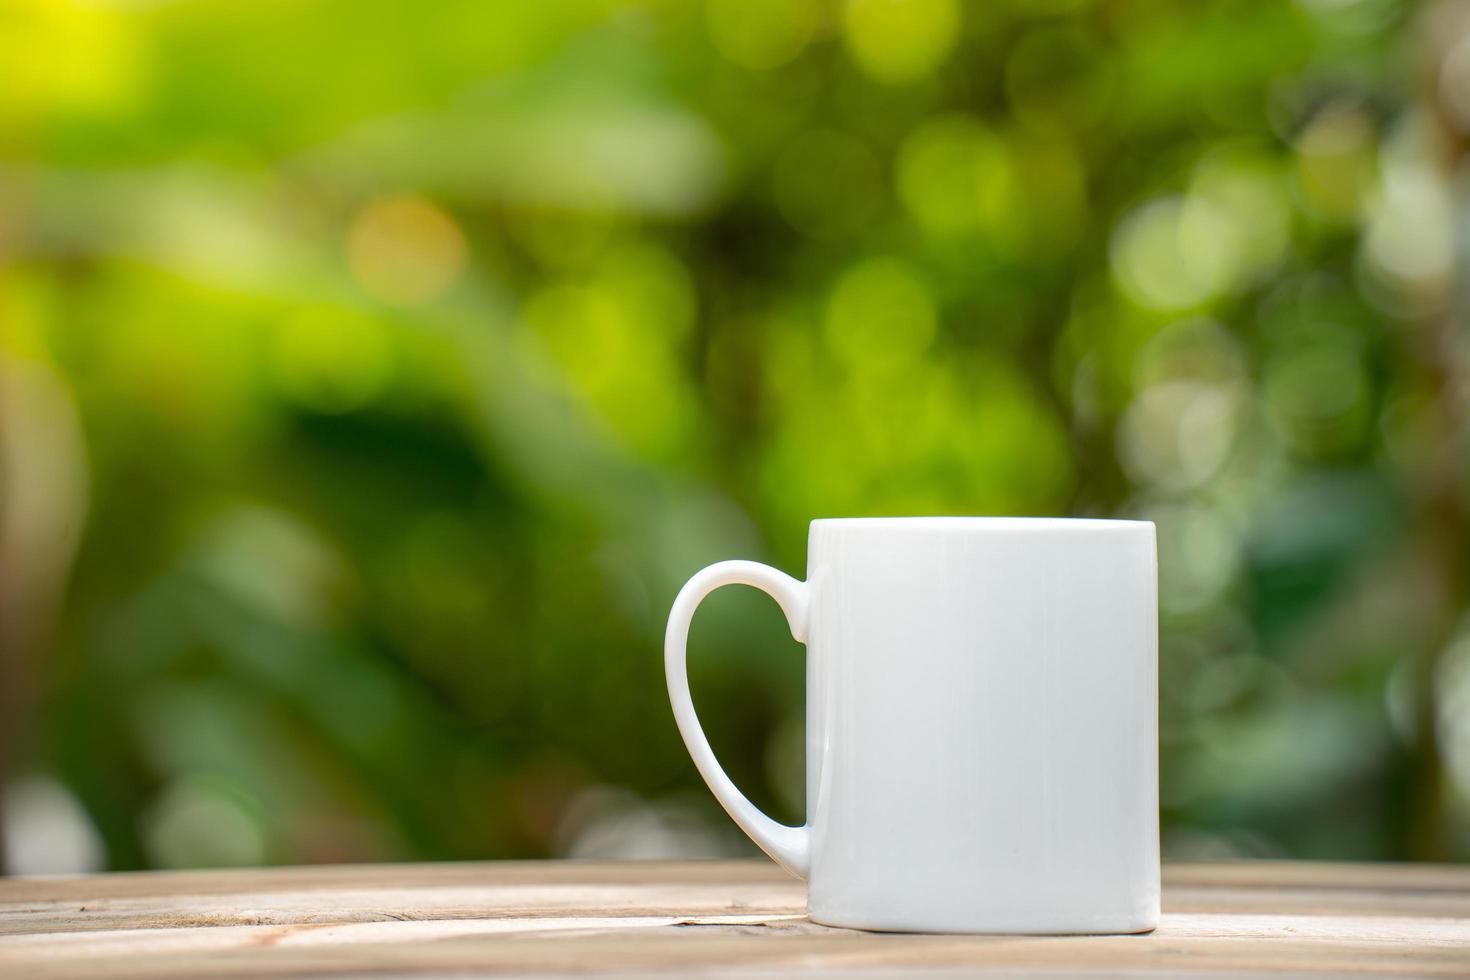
(1257, 918)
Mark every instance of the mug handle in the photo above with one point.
(786, 845)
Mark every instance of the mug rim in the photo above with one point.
(958, 522)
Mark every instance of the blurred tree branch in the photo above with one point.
(1439, 344)
(43, 503)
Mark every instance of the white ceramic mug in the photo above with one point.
(982, 723)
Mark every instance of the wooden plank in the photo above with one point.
(419, 875)
(1386, 876)
(697, 917)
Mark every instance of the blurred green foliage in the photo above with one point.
(371, 376)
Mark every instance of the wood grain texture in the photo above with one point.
(718, 917)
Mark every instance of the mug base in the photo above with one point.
(1102, 925)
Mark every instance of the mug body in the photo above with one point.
(982, 725)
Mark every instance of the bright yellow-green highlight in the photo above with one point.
(761, 34)
(900, 41)
(331, 358)
(879, 314)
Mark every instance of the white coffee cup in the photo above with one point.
(982, 723)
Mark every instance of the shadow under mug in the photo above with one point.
(982, 723)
